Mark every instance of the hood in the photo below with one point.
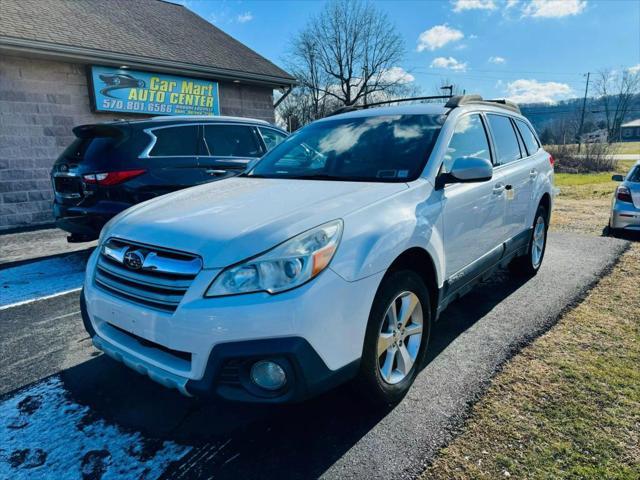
(228, 221)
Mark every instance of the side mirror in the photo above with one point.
(467, 170)
(617, 178)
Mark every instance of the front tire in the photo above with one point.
(528, 265)
(396, 339)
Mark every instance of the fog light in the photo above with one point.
(268, 375)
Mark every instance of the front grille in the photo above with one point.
(159, 280)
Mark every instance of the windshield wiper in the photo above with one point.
(316, 176)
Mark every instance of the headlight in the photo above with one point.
(287, 266)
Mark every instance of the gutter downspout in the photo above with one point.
(275, 105)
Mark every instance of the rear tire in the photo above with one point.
(528, 265)
(396, 339)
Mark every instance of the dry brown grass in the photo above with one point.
(568, 406)
(583, 208)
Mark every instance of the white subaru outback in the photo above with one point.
(328, 260)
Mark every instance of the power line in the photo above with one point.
(508, 72)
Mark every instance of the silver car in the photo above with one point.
(625, 207)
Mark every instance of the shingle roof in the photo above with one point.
(150, 29)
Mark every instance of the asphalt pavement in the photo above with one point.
(68, 412)
(33, 245)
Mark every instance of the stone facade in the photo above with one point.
(40, 102)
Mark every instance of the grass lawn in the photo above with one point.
(567, 406)
(627, 147)
(584, 200)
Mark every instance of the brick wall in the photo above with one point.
(40, 102)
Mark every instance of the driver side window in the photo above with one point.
(469, 140)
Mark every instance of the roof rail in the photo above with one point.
(460, 100)
(351, 108)
(506, 104)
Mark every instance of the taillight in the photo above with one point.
(624, 194)
(111, 178)
(552, 160)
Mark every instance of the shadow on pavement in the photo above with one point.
(255, 441)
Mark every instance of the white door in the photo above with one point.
(515, 166)
(473, 213)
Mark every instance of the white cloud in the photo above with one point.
(449, 63)
(635, 69)
(512, 3)
(438, 37)
(532, 91)
(497, 60)
(245, 17)
(397, 75)
(460, 5)
(553, 8)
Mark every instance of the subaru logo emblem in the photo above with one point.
(64, 168)
(133, 259)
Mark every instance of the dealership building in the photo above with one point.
(64, 63)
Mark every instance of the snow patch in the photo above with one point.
(46, 434)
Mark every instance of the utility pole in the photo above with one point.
(584, 105)
(366, 80)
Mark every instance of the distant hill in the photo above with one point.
(542, 115)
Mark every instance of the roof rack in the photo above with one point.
(461, 100)
(352, 108)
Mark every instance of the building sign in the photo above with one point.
(130, 91)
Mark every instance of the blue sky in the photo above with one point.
(528, 50)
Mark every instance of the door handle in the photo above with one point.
(216, 172)
(533, 173)
(498, 188)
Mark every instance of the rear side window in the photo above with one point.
(230, 141)
(469, 140)
(530, 140)
(175, 142)
(90, 148)
(271, 137)
(507, 148)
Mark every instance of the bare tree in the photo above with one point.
(616, 90)
(347, 55)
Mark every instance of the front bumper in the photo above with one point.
(207, 346)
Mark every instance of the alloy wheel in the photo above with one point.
(400, 337)
(537, 249)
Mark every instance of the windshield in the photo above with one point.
(392, 148)
(634, 176)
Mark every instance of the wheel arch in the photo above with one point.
(545, 201)
(420, 261)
